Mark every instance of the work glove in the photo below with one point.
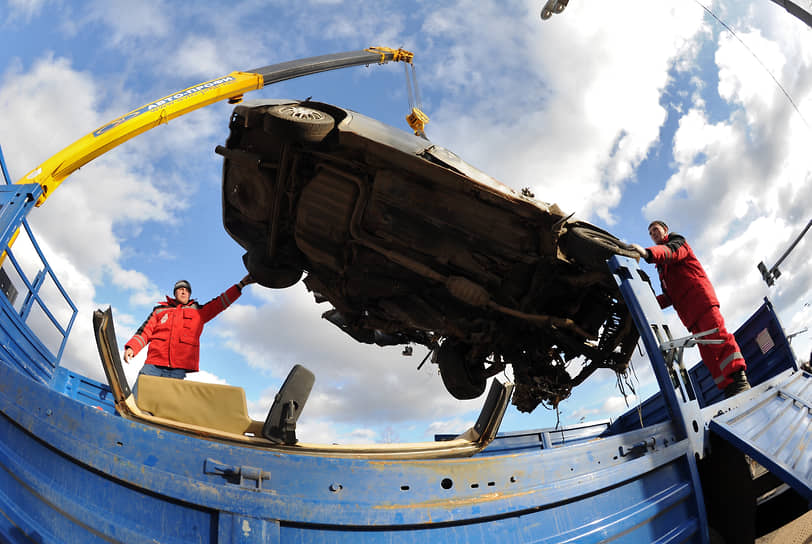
(640, 250)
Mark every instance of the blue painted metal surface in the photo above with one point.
(765, 348)
(516, 441)
(19, 344)
(83, 389)
(133, 483)
(40, 360)
(6, 176)
(676, 390)
(72, 470)
(773, 424)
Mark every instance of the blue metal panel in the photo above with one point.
(46, 497)
(18, 348)
(132, 479)
(15, 203)
(763, 362)
(680, 400)
(83, 389)
(6, 177)
(661, 515)
(71, 470)
(774, 426)
(514, 442)
(237, 529)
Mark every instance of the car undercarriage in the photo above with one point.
(410, 244)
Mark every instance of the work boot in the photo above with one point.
(738, 384)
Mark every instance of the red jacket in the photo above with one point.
(173, 331)
(685, 284)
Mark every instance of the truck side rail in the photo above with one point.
(38, 313)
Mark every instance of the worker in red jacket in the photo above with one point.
(173, 330)
(687, 287)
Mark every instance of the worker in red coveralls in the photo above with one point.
(173, 330)
(687, 287)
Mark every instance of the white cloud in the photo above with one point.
(79, 224)
(201, 56)
(746, 70)
(355, 383)
(587, 108)
(206, 377)
(129, 21)
(25, 9)
(448, 426)
(741, 188)
(327, 432)
(618, 404)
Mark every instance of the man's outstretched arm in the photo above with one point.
(216, 305)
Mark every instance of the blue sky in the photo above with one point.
(619, 113)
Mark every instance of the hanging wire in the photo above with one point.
(733, 33)
(408, 85)
(416, 119)
(411, 86)
(418, 100)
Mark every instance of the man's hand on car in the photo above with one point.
(640, 250)
(247, 280)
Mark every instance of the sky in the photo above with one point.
(618, 112)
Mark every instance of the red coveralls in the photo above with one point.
(173, 331)
(687, 287)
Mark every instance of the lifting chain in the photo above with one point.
(416, 119)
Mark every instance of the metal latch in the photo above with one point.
(688, 341)
(672, 351)
(237, 475)
(638, 448)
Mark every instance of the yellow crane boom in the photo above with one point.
(54, 170)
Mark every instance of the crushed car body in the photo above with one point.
(410, 244)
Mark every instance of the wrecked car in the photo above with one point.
(410, 244)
